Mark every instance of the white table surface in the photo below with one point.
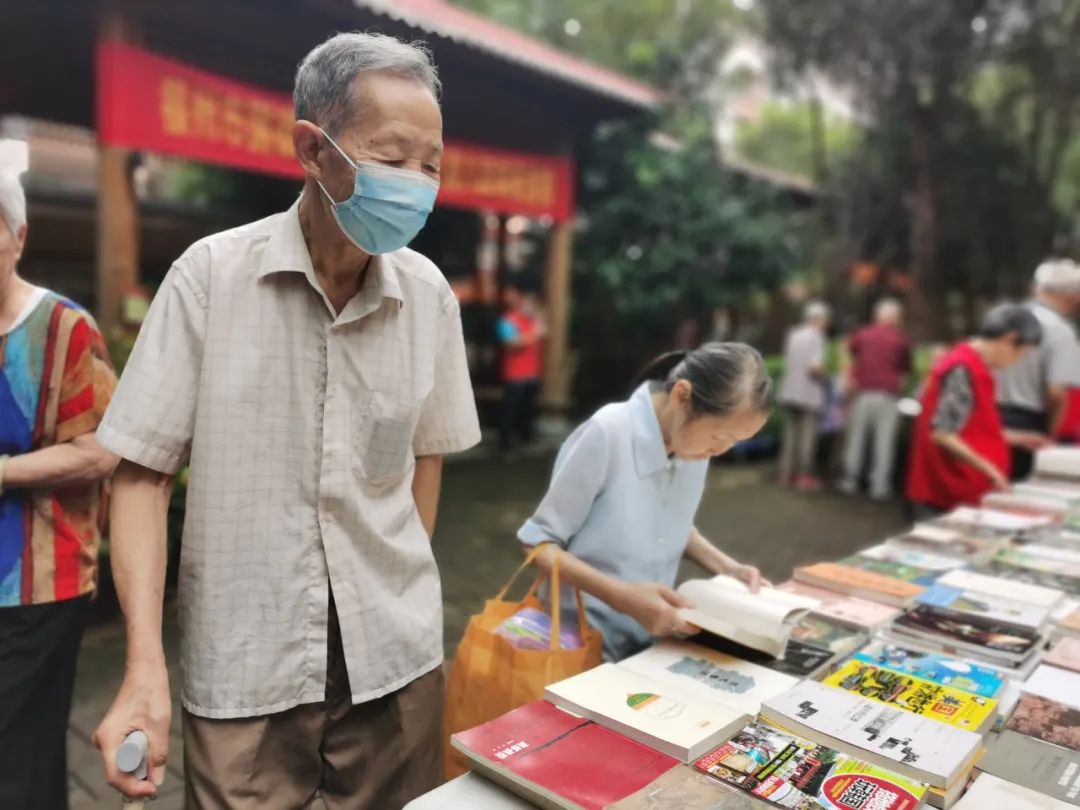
(469, 791)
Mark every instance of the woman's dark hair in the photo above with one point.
(1015, 319)
(723, 377)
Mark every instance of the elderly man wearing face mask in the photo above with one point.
(55, 382)
(311, 371)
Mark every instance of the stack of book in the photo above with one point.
(913, 673)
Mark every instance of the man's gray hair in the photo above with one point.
(12, 201)
(1058, 276)
(888, 309)
(816, 311)
(325, 87)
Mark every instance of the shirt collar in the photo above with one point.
(650, 455)
(286, 252)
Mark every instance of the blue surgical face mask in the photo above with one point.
(388, 206)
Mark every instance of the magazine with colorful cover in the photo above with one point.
(936, 667)
(990, 606)
(1047, 720)
(916, 695)
(791, 772)
(1025, 557)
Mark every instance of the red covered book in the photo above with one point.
(554, 759)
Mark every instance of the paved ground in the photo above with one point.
(484, 502)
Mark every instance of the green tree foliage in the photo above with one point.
(783, 138)
(668, 236)
(975, 108)
(674, 44)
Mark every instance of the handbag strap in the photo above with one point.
(556, 594)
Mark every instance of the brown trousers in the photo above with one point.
(378, 755)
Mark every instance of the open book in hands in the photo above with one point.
(763, 620)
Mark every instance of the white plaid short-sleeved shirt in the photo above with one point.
(301, 430)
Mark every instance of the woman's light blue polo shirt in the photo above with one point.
(618, 502)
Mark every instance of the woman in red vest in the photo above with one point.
(959, 449)
(521, 336)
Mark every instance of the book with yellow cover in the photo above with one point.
(916, 695)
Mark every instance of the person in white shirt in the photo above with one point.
(802, 398)
(311, 371)
(1033, 395)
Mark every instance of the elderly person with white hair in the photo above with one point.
(55, 382)
(880, 362)
(1033, 395)
(310, 369)
(802, 397)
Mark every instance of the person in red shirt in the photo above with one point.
(880, 363)
(521, 337)
(959, 448)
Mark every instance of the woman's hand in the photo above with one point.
(655, 607)
(750, 576)
(999, 479)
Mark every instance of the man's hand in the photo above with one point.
(143, 703)
(655, 607)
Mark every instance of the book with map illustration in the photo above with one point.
(788, 771)
(709, 674)
(725, 607)
(916, 695)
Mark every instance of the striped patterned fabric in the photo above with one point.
(55, 383)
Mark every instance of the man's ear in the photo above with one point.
(309, 143)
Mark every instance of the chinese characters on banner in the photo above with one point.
(146, 101)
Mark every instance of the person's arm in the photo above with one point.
(75, 463)
(954, 409)
(580, 475)
(150, 423)
(1057, 401)
(702, 552)
(138, 551)
(427, 483)
(653, 605)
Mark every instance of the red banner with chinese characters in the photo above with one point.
(146, 101)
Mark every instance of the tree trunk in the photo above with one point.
(927, 307)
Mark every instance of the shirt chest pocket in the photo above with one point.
(383, 435)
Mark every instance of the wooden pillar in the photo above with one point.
(117, 206)
(117, 235)
(557, 277)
